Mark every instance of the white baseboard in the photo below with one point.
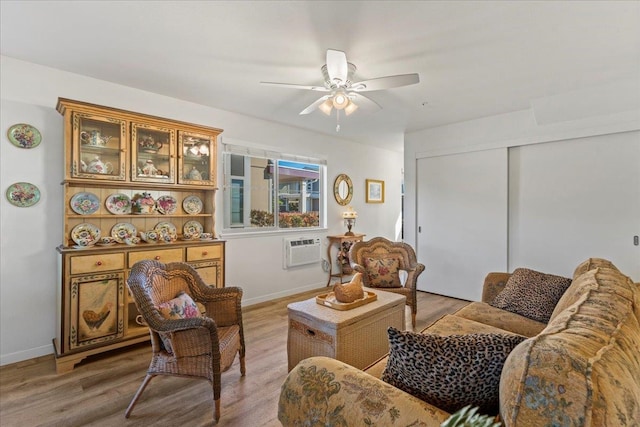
(264, 298)
(19, 356)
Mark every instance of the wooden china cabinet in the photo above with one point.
(128, 175)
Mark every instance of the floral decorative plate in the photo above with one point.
(191, 228)
(122, 231)
(192, 205)
(85, 234)
(85, 203)
(166, 205)
(166, 229)
(118, 204)
(23, 194)
(24, 136)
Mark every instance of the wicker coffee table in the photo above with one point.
(357, 336)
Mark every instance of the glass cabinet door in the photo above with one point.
(153, 157)
(99, 147)
(196, 160)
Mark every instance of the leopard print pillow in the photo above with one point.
(449, 372)
(531, 294)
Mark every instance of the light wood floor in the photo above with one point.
(99, 389)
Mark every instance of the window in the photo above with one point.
(271, 191)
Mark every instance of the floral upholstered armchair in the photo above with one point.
(383, 262)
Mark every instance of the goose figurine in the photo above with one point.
(351, 291)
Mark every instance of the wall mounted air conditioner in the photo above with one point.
(301, 251)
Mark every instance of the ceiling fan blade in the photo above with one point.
(294, 86)
(337, 67)
(387, 82)
(311, 108)
(363, 101)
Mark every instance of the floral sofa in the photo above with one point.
(580, 367)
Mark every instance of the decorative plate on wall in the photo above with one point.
(192, 205)
(24, 136)
(23, 194)
(84, 203)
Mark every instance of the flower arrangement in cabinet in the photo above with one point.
(143, 203)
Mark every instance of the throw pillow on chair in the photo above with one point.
(383, 272)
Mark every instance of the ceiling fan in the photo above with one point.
(342, 92)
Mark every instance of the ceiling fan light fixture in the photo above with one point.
(326, 107)
(340, 100)
(341, 90)
(350, 108)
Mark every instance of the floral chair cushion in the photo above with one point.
(531, 294)
(383, 272)
(180, 307)
(449, 372)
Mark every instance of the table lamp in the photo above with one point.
(349, 220)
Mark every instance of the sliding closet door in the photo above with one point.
(462, 221)
(575, 199)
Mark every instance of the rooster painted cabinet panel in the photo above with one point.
(95, 316)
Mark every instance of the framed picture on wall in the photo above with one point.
(375, 191)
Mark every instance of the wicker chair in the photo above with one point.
(367, 257)
(201, 347)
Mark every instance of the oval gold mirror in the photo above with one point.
(343, 189)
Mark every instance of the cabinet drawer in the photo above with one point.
(162, 255)
(204, 252)
(95, 263)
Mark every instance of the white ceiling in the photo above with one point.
(475, 59)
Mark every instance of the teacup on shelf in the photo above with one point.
(206, 236)
(86, 242)
(165, 237)
(106, 240)
(149, 236)
(192, 236)
(132, 240)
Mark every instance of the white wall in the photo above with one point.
(521, 129)
(29, 236)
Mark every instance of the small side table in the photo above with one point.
(338, 240)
